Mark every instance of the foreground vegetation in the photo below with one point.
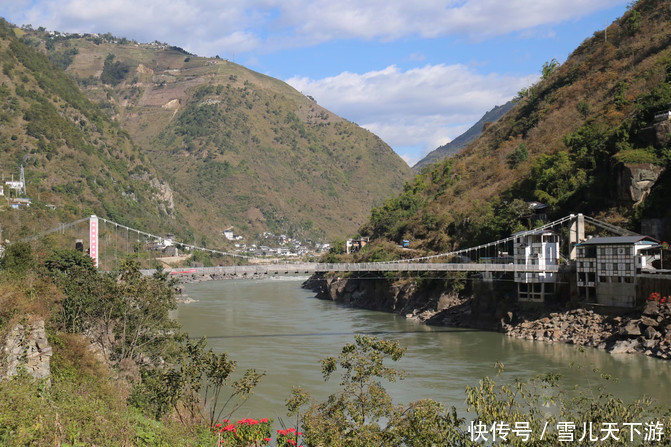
(148, 384)
(121, 373)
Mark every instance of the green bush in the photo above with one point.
(636, 156)
(114, 72)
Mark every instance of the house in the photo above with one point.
(539, 211)
(20, 203)
(355, 245)
(536, 248)
(607, 267)
(228, 234)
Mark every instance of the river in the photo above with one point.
(277, 327)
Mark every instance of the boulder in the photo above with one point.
(27, 348)
(647, 321)
(624, 347)
(631, 329)
(636, 180)
(651, 333)
(651, 308)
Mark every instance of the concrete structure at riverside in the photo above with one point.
(538, 248)
(607, 268)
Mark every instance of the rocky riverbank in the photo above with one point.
(646, 331)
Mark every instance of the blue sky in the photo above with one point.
(418, 74)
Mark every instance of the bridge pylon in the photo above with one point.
(93, 239)
(576, 233)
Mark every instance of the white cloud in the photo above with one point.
(324, 20)
(208, 27)
(425, 106)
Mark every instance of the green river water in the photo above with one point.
(277, 327)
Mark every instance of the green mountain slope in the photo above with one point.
(581, 140)
(237, 147)
(75, 157)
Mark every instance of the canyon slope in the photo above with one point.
(592, 136)
(237, 148)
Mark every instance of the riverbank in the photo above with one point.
(646, 331)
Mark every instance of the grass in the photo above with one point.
(637, 156)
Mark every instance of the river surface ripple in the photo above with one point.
(277, 327)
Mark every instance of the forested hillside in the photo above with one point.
(583, 139)
(237, 147)
(75, 157)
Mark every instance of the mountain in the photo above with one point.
(237, 148)
(585, 138)
(465, 138)
(76, 159)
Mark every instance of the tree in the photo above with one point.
(113, 72)
(84, 289)
(141, 323)
(18, 258)
(633, 23)
(556, 178)
(519, 155)
(549, 68)
(192, 386)
(362, 412)
(63, 261)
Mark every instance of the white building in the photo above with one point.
(15, 185)
(607, 267)
(536, 248)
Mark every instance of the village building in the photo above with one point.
(607, 267)
(355, 245)
(20, 203)
(536, 248)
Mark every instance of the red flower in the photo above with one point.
(267, 439)
(264, 420)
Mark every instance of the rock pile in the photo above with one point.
(579, 326)
(648, 333)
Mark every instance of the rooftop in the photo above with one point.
(637, 239)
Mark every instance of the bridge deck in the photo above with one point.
(311, 268)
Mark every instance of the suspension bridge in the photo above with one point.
(109, 242)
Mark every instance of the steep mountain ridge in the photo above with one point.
(237, 147)
(569, 142)
(76, 159)
(465, 138)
